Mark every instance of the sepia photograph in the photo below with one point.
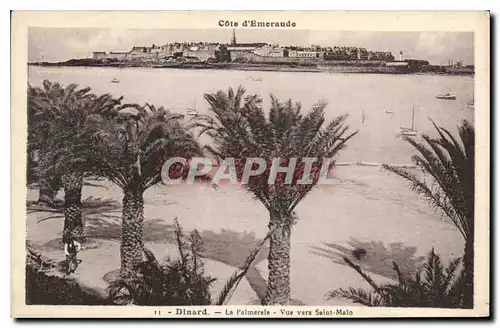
(258, 165)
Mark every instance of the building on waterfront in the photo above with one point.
(398, 66)
(292, 53)
(119, 55)
(263, 51)
(268, 50)
(277, 52)
(202, 52)
(156, 50)
(222, 55)
(307, 54)
(456, 63)
(99, 55)
(243, 50)
(142, 53)
(362, 54)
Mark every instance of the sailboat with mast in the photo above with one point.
(192, 111)
(410, 131)
(470, 104)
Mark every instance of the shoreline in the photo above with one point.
(341, 69)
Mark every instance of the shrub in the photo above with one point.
(433, 286)
(181, 281)
(46, 289)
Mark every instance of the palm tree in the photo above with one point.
(450, 164)
(130, 151)
(240, 129)
(64, 116)
(37, 157)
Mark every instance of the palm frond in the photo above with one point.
(450, 165)
(434, 286)
(239, 129)
(233, 282)
(358, 296)
(367, 278)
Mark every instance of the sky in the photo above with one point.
(60, 44)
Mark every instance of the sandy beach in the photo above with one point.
(332, 221)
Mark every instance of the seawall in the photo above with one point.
(282, 67)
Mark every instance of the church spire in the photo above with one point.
(233, 40)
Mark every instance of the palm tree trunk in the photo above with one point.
(31, 166)
(49, 186)
(131, 249)
(469, 274)
(278, 283)
(73, 222)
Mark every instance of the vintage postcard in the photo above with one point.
(250, 164)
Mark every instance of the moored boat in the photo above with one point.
(192, 111)
(447, 96)
(470, 104)
(410, 131)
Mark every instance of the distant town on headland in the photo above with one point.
(266, 57)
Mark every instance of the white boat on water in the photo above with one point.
(447, 96)
(192, 111)
(470, 104)
(410, 131)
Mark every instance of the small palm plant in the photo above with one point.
(241, 130)
(181, 281)
(433, 286)
(450, 164)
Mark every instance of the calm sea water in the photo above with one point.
(353, 94)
